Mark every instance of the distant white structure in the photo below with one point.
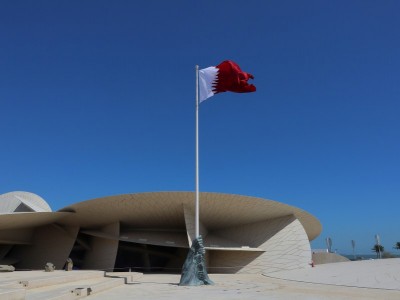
(16, 202)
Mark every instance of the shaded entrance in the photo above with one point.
(145, 258)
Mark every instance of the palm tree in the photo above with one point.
(397, 246)
(378, 249)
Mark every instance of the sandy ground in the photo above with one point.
(378, 279)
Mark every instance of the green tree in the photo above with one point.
(397, 246)
(378, 249)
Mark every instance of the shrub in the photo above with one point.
(388, 255)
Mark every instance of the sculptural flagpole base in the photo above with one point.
(194, 270)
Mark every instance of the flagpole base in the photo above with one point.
(194, 272)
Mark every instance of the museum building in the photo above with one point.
(152, 232)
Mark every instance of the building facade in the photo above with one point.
(152, 232)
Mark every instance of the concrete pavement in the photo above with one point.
(375, 279)
(378, 279)
(374, 274)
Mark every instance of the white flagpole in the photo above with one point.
(197, 153)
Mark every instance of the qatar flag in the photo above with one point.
(226, 77)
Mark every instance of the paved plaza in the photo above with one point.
(374, 279)
(239, 287)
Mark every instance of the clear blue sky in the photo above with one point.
(97, 99)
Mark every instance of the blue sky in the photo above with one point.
(97, 99)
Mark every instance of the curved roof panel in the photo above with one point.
(165, 209)
(29, 219)
(22, 202)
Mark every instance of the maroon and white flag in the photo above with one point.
(226, 77)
